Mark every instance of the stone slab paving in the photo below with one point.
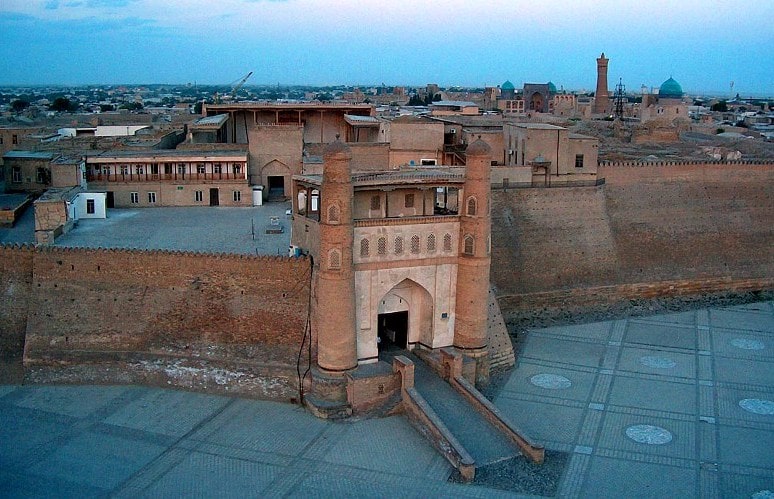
(638, 416)
(677, 405)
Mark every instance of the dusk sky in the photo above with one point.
(703, 44)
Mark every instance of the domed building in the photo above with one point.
(666, 106)
(507, 90)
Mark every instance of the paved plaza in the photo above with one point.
(678, 405)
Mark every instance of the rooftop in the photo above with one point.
(29, 155)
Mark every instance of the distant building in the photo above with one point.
(665, 106)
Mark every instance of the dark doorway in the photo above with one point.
(110, 200)
(393, 331)
(276, 187)
(214, 201)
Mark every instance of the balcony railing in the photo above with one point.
(164, 177)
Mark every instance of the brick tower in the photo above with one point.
(601, 97)
(334, 293)
(470, 332)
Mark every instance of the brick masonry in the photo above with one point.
(649, 231)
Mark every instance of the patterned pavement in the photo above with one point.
(678, 405)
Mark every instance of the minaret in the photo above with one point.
(470, 327)
(601, 97)
(333, 312)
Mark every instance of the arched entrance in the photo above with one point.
(404, 317)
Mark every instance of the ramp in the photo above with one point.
(466, 426)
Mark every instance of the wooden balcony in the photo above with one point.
(166, 177)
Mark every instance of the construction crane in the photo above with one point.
(235, 86)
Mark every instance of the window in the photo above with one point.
(431, 243)
(140, 170)
(1, 140)
(428, 162)
(376, 203)
(415, 244)
(579, 161)
(40, 176)
(447, 242)
(409, 201)
(237, 196)
(237, 168)
(216, 168)
(124, 170)
(134, 197)
(181, 169)
(198, 196)
(200, 168)
(381, 246)
(398, 245)
(151, 197)
(90, 206)
(14, 139)
(365, 251)
(334, 259)
(155, 169)
(469, 245)
(334, 216)
(167, 169)
(16, 174)
(471, 206)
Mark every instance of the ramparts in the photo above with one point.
(652, 229)
(229, 322)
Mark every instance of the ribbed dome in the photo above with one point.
(670, 89)
(507, 85)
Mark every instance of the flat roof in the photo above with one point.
(456, 103)
(172, 154)
(29, 155)
(215, 121)
(538, 126)
(432, 176)
(356, 120)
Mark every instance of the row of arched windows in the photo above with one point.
(399, 246)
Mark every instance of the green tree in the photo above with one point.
(132, 106)
(103, 108)
(720, 106)
(63, 104)
(19, 105)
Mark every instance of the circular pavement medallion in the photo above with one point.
(747, 344)
(758, 406)
(657, 362)
(550, 381)
(649, 434)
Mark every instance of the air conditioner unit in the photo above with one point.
(452, 130)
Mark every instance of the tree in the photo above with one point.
(19, 105)
(62, 104)
(324, 97)
(415, 100)
(103, 108)
(132, 106)
(720, 106)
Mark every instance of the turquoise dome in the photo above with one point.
(670, 89)
(507, 85)
(551, 88)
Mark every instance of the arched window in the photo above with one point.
(415, 244)
(431, 243)
(334, 259)
(471, 206)
(365, 250)
(469, 245)
(398, 245)
(447, 242)
(334, 214)
(381, 246)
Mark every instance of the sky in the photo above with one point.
(703, 44)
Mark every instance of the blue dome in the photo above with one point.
(551, 87)
(507, 85)
(670, 89)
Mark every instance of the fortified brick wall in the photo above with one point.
(650, 230)
(165, 317)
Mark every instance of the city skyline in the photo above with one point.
(703, 45)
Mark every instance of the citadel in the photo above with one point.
(416, 235)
